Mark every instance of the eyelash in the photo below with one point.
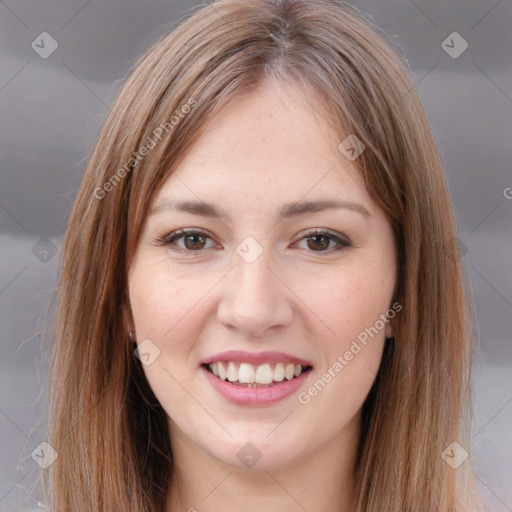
(169, 240)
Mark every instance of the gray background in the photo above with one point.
(51, 111)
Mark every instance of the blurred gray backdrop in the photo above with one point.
(61, 64)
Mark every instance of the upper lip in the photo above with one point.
(257, 358)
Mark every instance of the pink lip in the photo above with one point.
(255, 358)
(240, 395)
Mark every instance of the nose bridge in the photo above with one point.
(254, 298)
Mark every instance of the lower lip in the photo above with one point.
(241, 395)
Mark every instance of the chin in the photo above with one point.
(256, 450)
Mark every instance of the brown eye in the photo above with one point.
(320, 241)
(196, 241)
(193, 241)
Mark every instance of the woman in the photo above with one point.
(259, 304)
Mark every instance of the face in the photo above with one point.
(230, 302)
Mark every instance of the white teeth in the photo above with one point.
(279, 372)
(246, 373)
(232, 372)
(289, 371)
(215, 369)
(264, 374)
(222, 371)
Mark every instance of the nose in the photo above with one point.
(255, 297)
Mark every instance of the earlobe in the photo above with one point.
(389, 331)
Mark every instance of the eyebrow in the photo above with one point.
(287, 211)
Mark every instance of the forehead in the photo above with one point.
(271, 146)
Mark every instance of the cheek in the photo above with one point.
(349, 304)
(168, 308)
(163, 311)
(163, 302)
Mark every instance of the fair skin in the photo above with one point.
(305, 296)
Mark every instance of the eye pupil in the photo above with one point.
(325, 238)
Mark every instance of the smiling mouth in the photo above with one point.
(256, 376)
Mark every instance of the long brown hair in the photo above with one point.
(105, 423)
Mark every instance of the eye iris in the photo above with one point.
(194, 236)
(325, 238)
